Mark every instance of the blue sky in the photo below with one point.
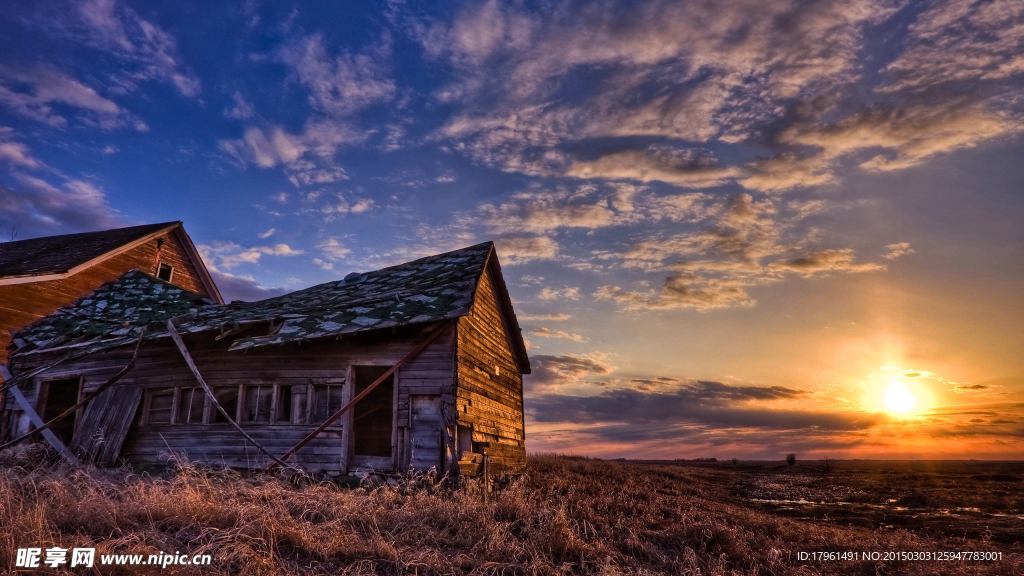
(729, 228)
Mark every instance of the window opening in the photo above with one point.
(227, 396)
(190, 406)
(164, 272)
(61, 395)
(372, 416)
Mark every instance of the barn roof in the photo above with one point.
(426, 290)
(60, 254)
(57, 257)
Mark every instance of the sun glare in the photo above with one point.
(898, 398)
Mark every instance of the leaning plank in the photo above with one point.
(37, 421)
(436, 329)
(84, 401)
(213, 399)
(105, 423)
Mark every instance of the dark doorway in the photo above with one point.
(61, 395)
(372, 416)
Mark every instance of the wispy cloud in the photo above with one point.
(560, 334)
(341, 84)
(742, 248)
(568, 370)
(894, 251)
(521, 249)
(544, 317)
(243, 287)
(740, 75)
(242, 109)
(229, 255)
(35, 92)
(563, 293)
(144, 51)
(35, 207)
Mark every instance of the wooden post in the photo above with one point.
(213, 399)
(487, 477)
(347, 390)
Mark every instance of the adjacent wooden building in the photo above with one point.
(282, 366)
(40, 275)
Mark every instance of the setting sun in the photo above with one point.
(898, 398)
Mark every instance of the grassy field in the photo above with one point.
(565, 516)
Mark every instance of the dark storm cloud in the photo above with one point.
(549, 372)
(700, 404)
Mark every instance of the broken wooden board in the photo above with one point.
(104, 426)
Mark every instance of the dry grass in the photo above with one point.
(566, 516)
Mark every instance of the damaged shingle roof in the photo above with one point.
(115, 310)
(426, 290)
(59, 254)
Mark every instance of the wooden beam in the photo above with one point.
(437, 328)
(173, 331)
(38, 422)
(71, 355)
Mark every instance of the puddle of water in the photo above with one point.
(943, 512)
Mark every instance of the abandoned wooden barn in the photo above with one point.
(39, 275)
(281, 367)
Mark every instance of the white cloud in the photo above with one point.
(689, 71)
(564, 293)
(333, 250)
(746, 246)
(343, 84)
(894, 251)
(515, 250)
(560, 334)
(543, 317)
(35, 92)
(777, 73)
(244, 288)
(687, 168)
(15, 153)
(306, 157)
(37, 208)
(229, 255)
(242, 109)
(960, 41)
(268, 233)
(146, 51)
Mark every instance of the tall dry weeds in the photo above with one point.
(565, 516)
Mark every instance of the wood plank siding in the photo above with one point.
(23, 304)
(489, 398)
(433, 343)
(160, 368)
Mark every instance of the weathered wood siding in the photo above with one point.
(490, 387)
(160, 365)
(23, 304)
